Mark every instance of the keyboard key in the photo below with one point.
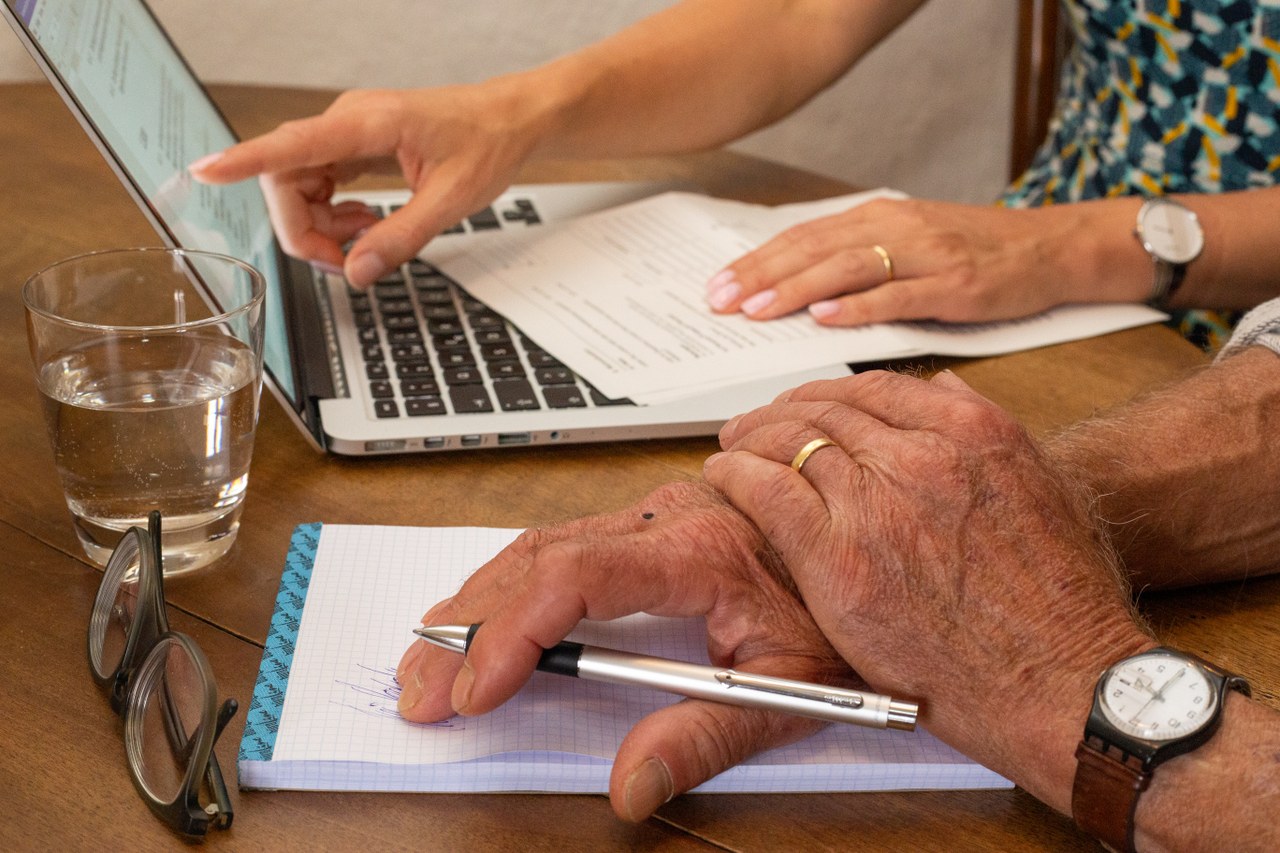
(400, 322)
(515, 395)
(376, 370)
(435, 297)
(440, 312)
(462, 375)
(498, 352)
(419, 406)
(601, 400)
(381, 389)
(554, 376)
(417, 266)
(391, 279)
(493, 336)
(563, 397)
(408, 352)
(421, 387)
(414, 370)
(371, 352)
(444, 327)
(487, 321)
(505, 369)
(456, 357)
(403, 336)
(395, 290)
(542, 358)
(395, 306)
(363, 319)
(360, 302)
(386, 409)
(449, 341)
(470, 399)
(368, 335)
(484, 220)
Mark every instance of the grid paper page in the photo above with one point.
(339, 729)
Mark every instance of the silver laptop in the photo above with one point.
(414, 364)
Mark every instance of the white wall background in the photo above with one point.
(927, 112)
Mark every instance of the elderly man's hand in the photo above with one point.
(943, 558)
(682, 551)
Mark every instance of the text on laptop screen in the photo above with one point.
(152, 113)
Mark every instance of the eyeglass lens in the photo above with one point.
(116, 607)
(172, 690)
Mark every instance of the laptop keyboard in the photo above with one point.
(429, 348)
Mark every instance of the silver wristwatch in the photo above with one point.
(1171, 234)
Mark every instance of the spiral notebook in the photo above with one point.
(323, 715)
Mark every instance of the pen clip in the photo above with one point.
(786, 687)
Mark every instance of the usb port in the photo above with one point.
(433, 443)
(472, 440)
(514, 438)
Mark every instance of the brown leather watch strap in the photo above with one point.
(1106, 791)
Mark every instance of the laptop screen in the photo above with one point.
(150, 111)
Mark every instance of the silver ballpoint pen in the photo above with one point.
(834, 704)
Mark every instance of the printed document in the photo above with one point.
(619, 297)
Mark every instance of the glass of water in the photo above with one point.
(149, 365)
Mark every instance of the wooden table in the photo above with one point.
(63, 782)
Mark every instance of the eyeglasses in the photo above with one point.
(161, 683)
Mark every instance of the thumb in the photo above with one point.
(680, 747)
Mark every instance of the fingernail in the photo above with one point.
(410, 658)
(725, 296)
(207, 160)
(364, 269)
(759, 302)
(460, 698)
(410, 693)
(719, 280)
(648, 787)
(712, 460)
(824, 309)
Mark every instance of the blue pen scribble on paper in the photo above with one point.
(377, 695)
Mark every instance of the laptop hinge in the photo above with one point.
(314, 337)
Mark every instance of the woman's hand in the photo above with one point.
(943, 558)
(892, 260)
(682, 551)
(457, 147)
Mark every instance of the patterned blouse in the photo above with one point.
(1163, 96)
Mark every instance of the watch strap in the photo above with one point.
(1165, 280)
(1105, 795)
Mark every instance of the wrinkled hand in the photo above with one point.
(943, 558)
(457, 147)
(949, 262)
(682, 551)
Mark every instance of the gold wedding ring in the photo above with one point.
(885, 259)
(808, 450)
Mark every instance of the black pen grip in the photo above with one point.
(560, 659)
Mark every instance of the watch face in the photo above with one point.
(1157, 696)
(1170, 231)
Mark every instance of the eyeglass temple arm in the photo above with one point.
(213, 773)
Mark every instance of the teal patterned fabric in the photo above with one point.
(1163, 96)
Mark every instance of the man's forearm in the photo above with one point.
(1188, 478)
(1224, 795)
